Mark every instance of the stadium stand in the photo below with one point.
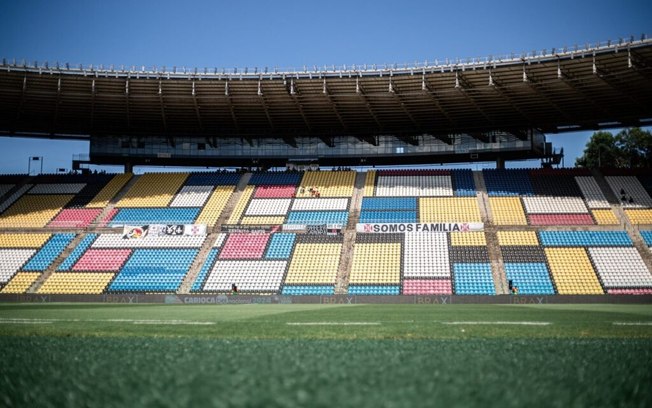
(593, 258)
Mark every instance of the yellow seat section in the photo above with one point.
(215, 205)
(76, 283)
(517, 238)
(369, 183)
(240, 206)
(23, 240)
(605, 217)
(20, 282)
(109, 191)
(376, 263)
(572, 271)
(33, 211)
(263, 220)
(474, 238)
(328, 183)
(640, 216)
(314, 263)
(507, 211)
(153, 190)
(449, 209)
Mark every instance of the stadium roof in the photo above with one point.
(601, 86)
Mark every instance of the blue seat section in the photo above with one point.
(154, 270)
(647, 237)
(463, 183)
(374, 289)
(280, 246)
(389, 204)
(507, 182)
(171, 215)
(49, 252)
(473, 279)
(208, 265)
(308, 290)
(268, 179)
(318, 217)
(213, 179)
(388, 216)
(584, 238)
(530, 278)
(77, 252)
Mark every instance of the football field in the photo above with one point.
(325, 355)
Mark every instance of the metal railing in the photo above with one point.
(417, 67)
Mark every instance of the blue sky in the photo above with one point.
(293, 34)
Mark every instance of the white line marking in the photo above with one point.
(500, 323)
(173, 322)
(134, 321)
(5, 321)
(632, 323)
(333, 323)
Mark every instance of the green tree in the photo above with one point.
(629, 148)
(635, 145)
(600, 151)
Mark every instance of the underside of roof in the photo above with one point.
(601, 87)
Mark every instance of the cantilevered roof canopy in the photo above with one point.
(602, 86)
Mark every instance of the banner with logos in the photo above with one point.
(135, 232)
(429, 227)
(251, 229)
(329, 229)
(141, 231)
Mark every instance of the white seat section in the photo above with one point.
(247, 275)
(426, 255)
(116, 241)
(11, 260)
(4, 188)
(620, 267)
(592, 192)
(268, 206)
(220, 240)
(313, 204)
(410, 186)
(15, 196)
(632, 188)
(192, 196)
(554, 205)
(70, 188)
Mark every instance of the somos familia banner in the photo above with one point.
(389, 228)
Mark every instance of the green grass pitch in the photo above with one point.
(77, 355)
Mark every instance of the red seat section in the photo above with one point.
(108, 217)
(427, 287)
(244, 246)
(102, 260)
(275, 191)
(75, 217)
(561, 219)
(639, 291)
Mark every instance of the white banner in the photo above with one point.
(135, 232)
(141, 231)
(426, 227)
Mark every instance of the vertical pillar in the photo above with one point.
(129, 167)
(500, 163)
